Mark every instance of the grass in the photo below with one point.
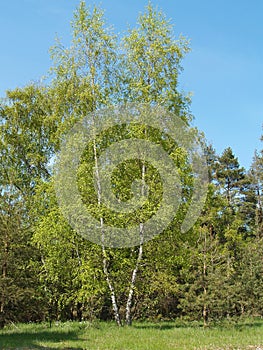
(247, 335)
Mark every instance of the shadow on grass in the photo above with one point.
(159, 326)
(28, 340)
(249, 325)
(239, 325)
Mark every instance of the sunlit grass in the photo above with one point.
(141, 336)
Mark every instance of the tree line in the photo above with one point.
(50, 272)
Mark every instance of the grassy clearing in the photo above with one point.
(141, 336)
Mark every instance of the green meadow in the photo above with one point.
(141, 336)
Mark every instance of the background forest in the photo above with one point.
(48, 271)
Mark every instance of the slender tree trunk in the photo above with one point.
(228, 279)
(205, 311)
(134, 275)
(139, 258)
(259, 214)
(111, 288)
(104, 252)
(4, 274)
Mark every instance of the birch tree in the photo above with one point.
(152, 60)
(84, 82)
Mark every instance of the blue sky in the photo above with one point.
(224, 71)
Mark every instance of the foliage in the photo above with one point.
(48, 271)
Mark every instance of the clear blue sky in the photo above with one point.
(224, 70)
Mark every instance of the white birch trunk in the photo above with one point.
(133, 279)
(104, 253)
(139, 258)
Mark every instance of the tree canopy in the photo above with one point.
(49, 271)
